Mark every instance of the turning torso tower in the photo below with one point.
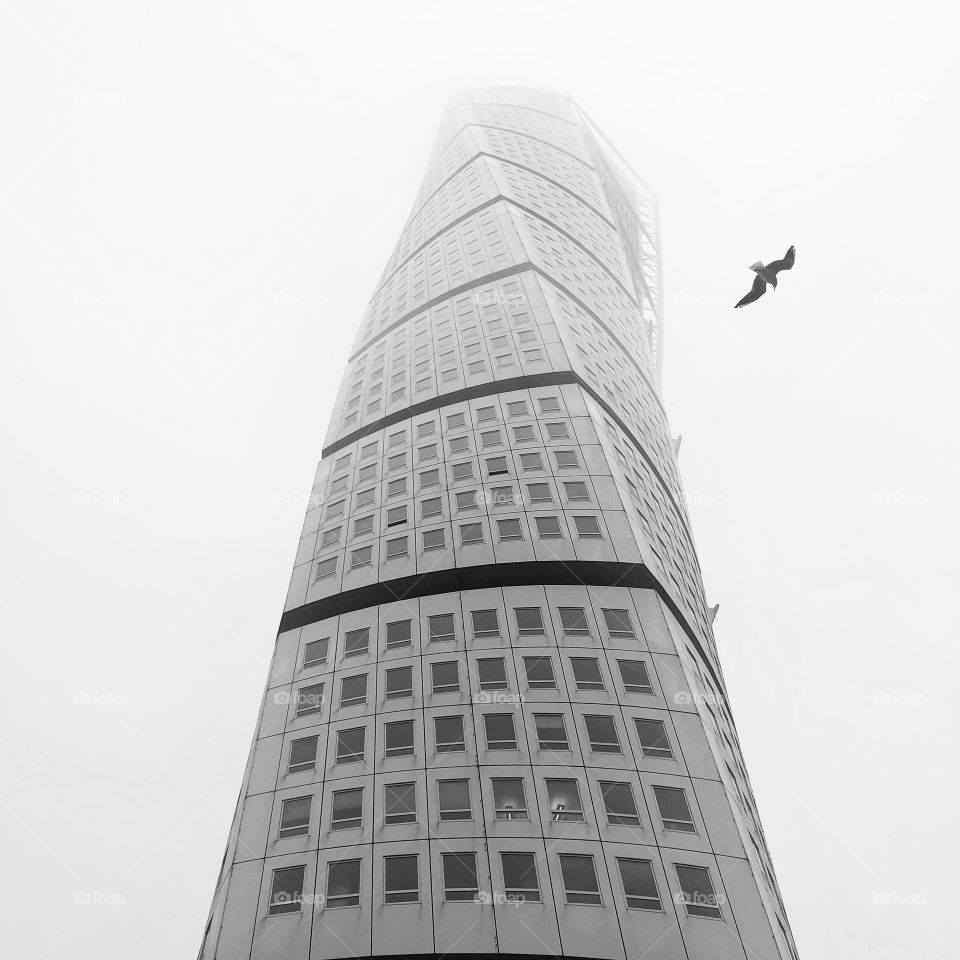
(495, 721)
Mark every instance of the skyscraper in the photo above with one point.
(495, 720)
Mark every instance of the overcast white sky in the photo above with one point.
(196, 200)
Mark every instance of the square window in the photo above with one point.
(431, 508)
(491, 438)
(441, 627)
(539, 492)
(434, 539)
(398, 634)
(548, 528)
(460, 876)
(335, 509)
(492, 673)
(455, 421)
(366, 473)
(295, 817)
(654, 741)
(549, 405)
(427, 452)
(397, 488)
(366, 497)
(426, 429)
(330, 537)
(539, 671)
(396, 516)
(499, 731)
(509, 798)
(574, 622)
(309, 700)
(486, 413)
(326, 568)
(353, 690)
(401, 879)
(398, 738)
(485, 623)
(520, 877)
(619, 804)
(347, 810)
(586, 673)
(343, 884)
(674, 809)
(566, 459)
(458, 445)
(588, 528)
(361, 557)
(399, 803)
(303, 755)
(517, 408)
(399, 683)
(467, 500)
(602, 733)
(369, 450)
(463, 471)
(350, 745)
(509, 529)
(396, 548)
(496, 466)
(580, 878)
(286, 890)
(315, 652)
(531, 462)
(523, 434)
(429, 478)
(699, 897)
(639, 884)
(448, 733)
(564, 798)
(362, 526)
(502, 497)
(551, 731)
(529, 621)
(397, 462)
(454, 798)
(557, 431)
(576, 490)
(471, 533)
(619, 624)
(635, 677)
(356, 642)
(445, 676)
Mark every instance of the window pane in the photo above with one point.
(446, 676)
(347, 809)
(579, 878)
(295, 817)
(619, 623)
(639, 884)
(315, 652)
(399, 682)
(564, 796)
(485, 623)
(499, 731)
(343, 884)
(449, 734)
(653, 739)
(398, 738)
(574, 621)
(492, 673)
(286, 890)
(460, 876)
(529, 621)
(602, 731)
(520, 876)
(539, 672)
(698, 893)
(350, 744)
(674, 810)
(635, 677)
(509, 798)
(398, 633)
(454, 799)
(356, 642)
(619, 803)
(353, 690)
(586, 673)
(303, 754)
(400, 803)
(309, 700)
(401, 879)
(551, 731)
(441, 627)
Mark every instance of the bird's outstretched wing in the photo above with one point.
(758, 289)
(775, 266)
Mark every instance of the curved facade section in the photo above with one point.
(495, 721)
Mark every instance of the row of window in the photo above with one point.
(491, 674)
(441, 628)
(471, 534)
(462, 471)
(499, 730)
(521, 883)
(454, 803)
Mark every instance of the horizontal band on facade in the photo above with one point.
(589, 573)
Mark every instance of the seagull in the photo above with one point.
(766, 274)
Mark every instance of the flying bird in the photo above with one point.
(766, 274)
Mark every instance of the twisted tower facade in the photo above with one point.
(495, 720)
